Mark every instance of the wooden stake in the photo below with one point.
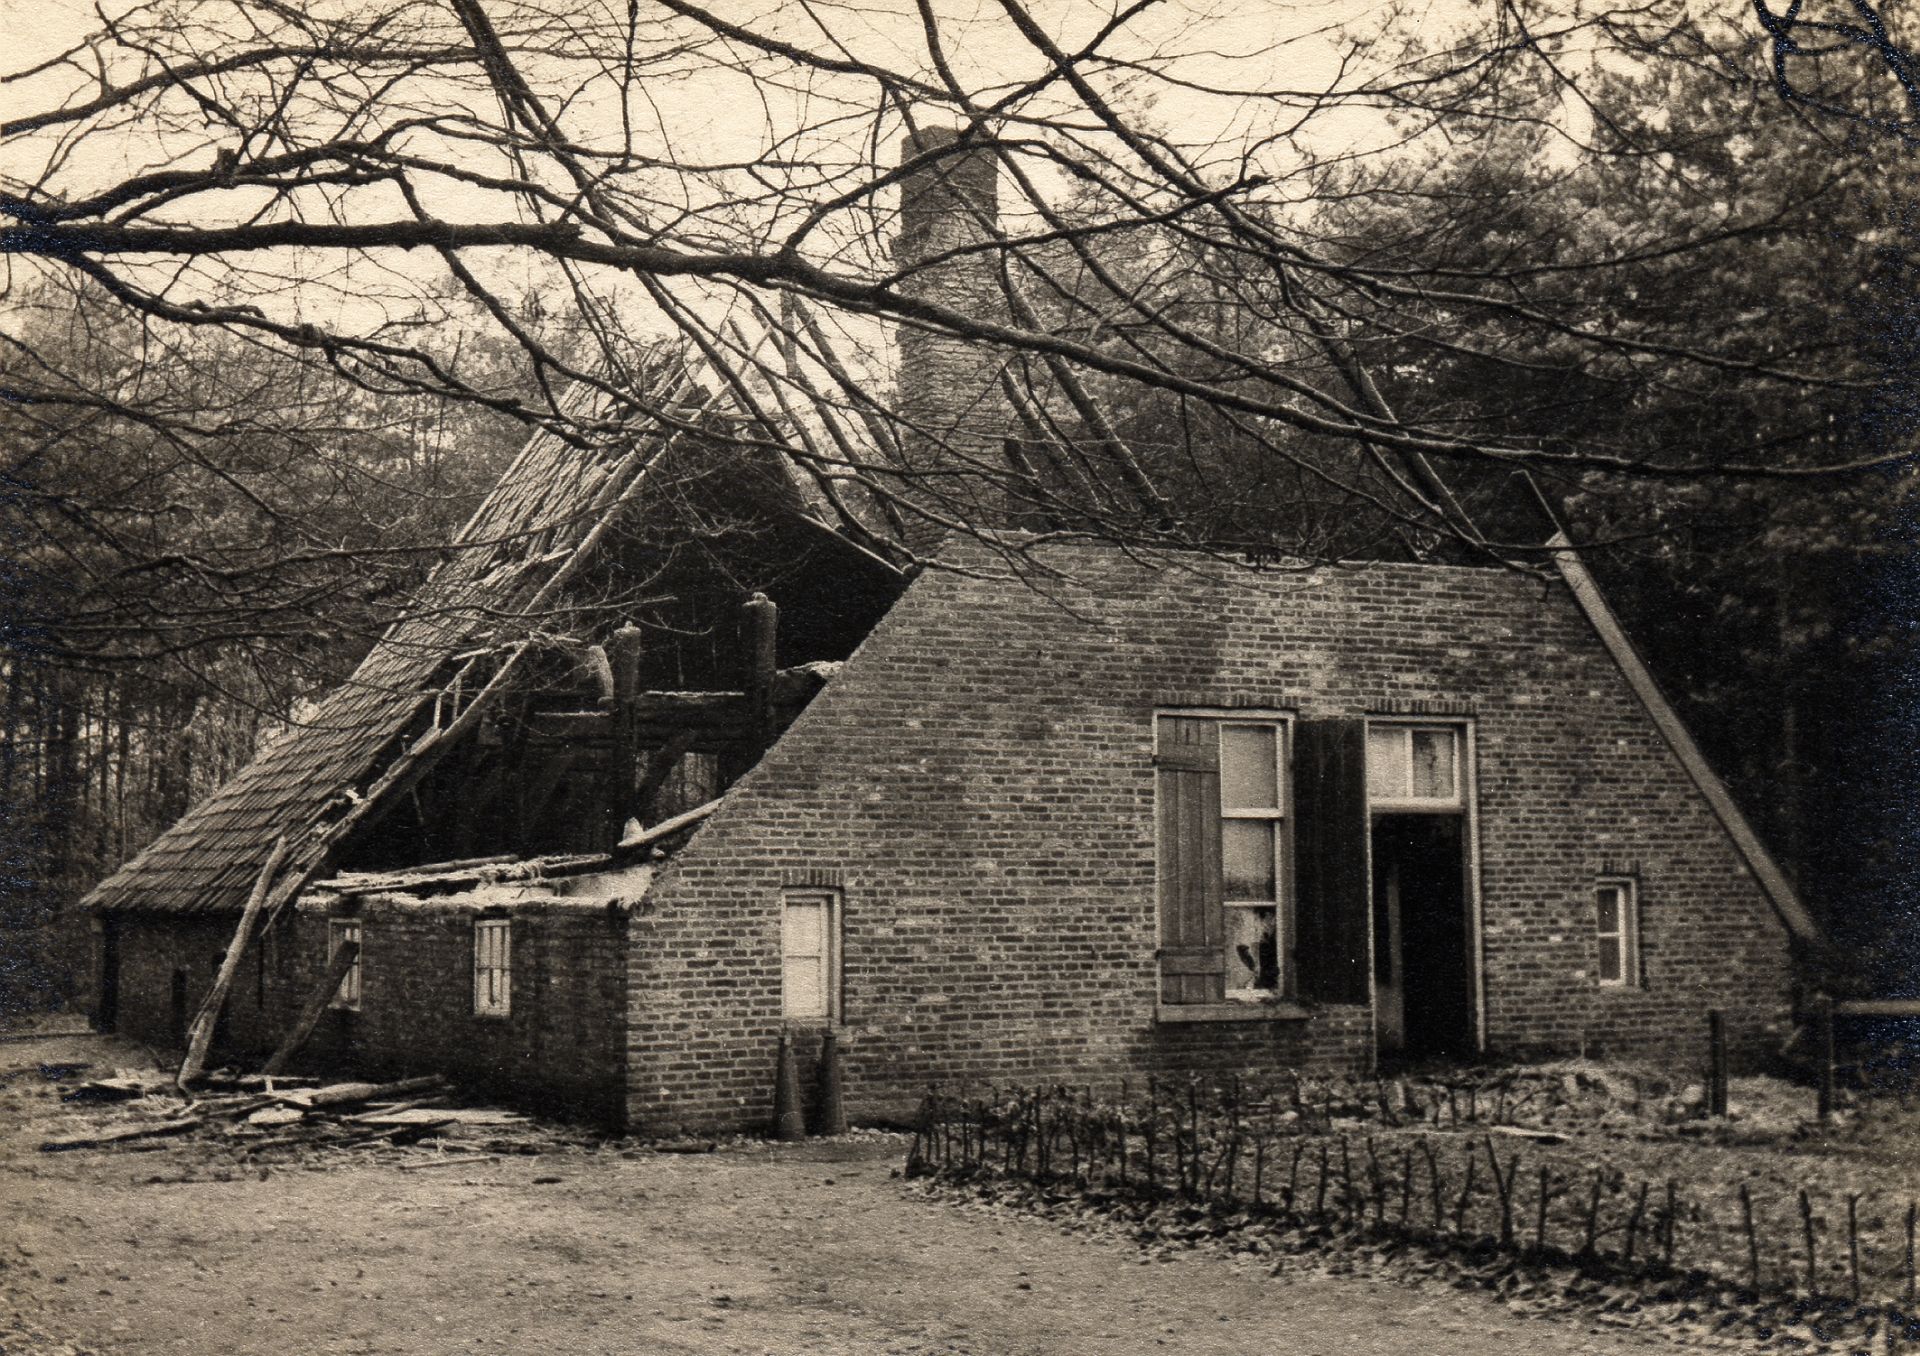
(1540, 1220)
(1912, 1210)
(200, 1033)
(1633, 1223)
(1753, 1239)
(1433, 1184)
(1466, 1195)
(1806, 1224)
(1673, 1224)
(1406, 1185)
(1853, 1245)
(1593, 1216)
(1503, 1184)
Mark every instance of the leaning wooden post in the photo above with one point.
(763, 627)
(316, 1007)
(200, 1033)
(1753, 1239)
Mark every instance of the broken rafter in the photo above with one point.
(316, 1007)
(200, 1034)
(666, 828)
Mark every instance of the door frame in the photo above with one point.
(1469, 811)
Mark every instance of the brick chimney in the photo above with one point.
(949, 388)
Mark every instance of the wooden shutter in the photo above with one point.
(1193, 962)
(1330, 854)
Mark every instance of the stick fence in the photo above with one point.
(1288, 1153)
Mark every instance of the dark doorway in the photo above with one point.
(107, 1014)
(1422, 952)
(178, 1019)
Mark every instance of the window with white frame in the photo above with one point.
(1252, 852)
(1413, 767)
(810, 955)
(1222, 855)
(1616, 927)
(493, 967)
(340, 932)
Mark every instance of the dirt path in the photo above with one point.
(751, 1250)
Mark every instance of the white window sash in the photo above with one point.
(493, 967)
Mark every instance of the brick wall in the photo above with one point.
(560, 1048)
(978, 782)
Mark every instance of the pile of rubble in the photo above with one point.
(257, 1114)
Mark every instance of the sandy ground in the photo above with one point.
(753, 1249)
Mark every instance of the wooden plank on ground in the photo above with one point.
(122, 1136)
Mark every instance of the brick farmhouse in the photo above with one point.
(1104, 816)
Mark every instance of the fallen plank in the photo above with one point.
(349, 1094)
(486, 1116)
(104, 1138)
(277, 1115)
(410, 1116)
(106, 1090)
(449, 1161)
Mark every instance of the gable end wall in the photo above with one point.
(979, 779)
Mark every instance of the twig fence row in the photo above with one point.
(1233, 1149)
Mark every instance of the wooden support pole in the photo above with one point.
(200, 1033)
(321, 995)
(763, 629)
(623, 655)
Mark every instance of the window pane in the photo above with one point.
(1609, 909)
(1246, 858)
(1388, 776)
(1253, 949)
(1610, 958)
(804, 930)
(806, 991)
(1249, 776)
(1433, 764)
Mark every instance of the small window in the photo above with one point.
(1413, 766)
(493, 967)
(340, 931)
(1616, 925)
(809, 955)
